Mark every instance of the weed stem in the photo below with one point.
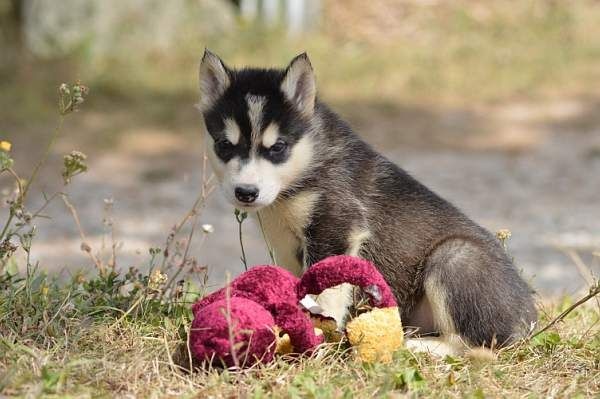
(269, 248)
(240, 217)
(594, 290)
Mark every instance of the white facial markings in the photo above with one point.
(268, 177)
(270, 135)
(256, 172)
(300, 158)
(255, 112)
(232, 131)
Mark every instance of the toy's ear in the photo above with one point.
(340, 269)
(299, 85)
(214, 80)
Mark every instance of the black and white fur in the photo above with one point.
(320, 190)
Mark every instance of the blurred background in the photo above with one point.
(494, 105)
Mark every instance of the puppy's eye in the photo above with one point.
(223, 145)
(224, 149)
(278, 148)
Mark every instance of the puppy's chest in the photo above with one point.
(284, 223)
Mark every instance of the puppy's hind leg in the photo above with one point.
(476, 295)
(435, 332)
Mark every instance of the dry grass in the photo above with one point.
(94, 356)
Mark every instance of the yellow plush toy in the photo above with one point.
(376, 335)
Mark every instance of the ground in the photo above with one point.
(531, 169)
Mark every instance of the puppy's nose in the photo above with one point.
(246, 193)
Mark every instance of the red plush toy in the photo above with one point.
(239, 324)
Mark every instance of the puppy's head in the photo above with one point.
(258, 124)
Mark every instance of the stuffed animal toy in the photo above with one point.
(243, 323)
(239, 324)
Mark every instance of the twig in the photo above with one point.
(187, 346)
(240, 216)
(42, 161)
(18, 181)
(35, 215)
(64, 302)
(269, 248)
(44, 205)
(7, 224)
(583, 269)
(594, 290)
(85, 246)
(24, 190)
(183, 258)
(113, 242)
(230, 327)
(131, 308)
(207, 188)
(20, 200)
(171, 363)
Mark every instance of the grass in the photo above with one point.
(71, 340)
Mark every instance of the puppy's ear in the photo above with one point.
(214, 80)
(299, 85)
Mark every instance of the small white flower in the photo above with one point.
(208, 228)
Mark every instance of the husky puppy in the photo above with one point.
(320, 190)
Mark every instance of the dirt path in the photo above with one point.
(545, 188)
